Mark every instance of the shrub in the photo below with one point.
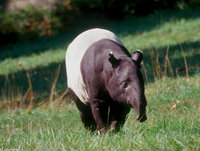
(32, 22)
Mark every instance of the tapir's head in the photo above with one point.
(126, 84)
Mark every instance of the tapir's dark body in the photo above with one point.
(114, 84)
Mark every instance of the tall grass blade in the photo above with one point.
(145, 72)
(158, 70)
(168, 64)
(54, 83)
(165, 65)
(153, 64)
(185, 61)
(30, 95)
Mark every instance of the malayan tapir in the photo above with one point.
(105, 80)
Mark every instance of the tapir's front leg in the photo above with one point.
(118, 115)
(95, 106)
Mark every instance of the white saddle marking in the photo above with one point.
(75, 53)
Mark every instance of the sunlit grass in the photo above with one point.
(140, 34)
(59, 127)
(11, 65)
(169, 33)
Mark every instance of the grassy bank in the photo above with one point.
(154, 31)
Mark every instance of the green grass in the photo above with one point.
(153, 31)
(58, 127)
(173, 102)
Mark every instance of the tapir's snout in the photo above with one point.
(142, 118)
(140, 115)
(140, 109)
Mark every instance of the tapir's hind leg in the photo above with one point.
(85, 112)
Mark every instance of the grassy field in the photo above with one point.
(58, 127)
(173, 99)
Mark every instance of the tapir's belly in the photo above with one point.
(75, 53)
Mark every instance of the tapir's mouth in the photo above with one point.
(141, 115)
(142, 118)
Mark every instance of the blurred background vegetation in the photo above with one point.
(22, 19)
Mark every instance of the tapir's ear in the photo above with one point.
(114, 61)
(137, 56)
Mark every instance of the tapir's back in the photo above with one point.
(75, 53)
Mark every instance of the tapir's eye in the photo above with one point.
(125, 84)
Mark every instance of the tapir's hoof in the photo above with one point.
(101, 131)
